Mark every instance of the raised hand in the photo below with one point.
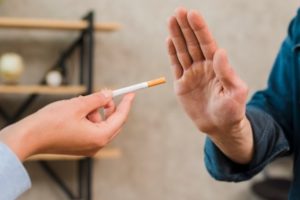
(211, 93)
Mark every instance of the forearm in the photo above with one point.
(237, 143)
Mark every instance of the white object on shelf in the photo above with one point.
(11, 67)
(54, 78)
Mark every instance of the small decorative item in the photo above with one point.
(11, 67)
(54, 78)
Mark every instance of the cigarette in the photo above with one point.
(138, 86)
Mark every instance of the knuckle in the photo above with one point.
(80, 99)
(52, 109)
(78, 102)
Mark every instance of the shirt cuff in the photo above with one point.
(14, 180)
(269, 143)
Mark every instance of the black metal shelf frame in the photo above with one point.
(85, 44)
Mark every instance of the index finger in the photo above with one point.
(205, 38)
(116, 120)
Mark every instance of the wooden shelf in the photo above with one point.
(107, 153)
(39, 89)
(8, 22)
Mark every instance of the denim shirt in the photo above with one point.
(274, 114)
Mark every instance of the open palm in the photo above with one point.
(209, 90)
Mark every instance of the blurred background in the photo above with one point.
(162, 151)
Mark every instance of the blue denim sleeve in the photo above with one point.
(14, 179)
(269, 140)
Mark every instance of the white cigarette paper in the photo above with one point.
(138, 86)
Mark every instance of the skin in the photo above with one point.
(211, 93)
(73, 127)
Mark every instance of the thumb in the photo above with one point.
(94, 101)
(223, 70)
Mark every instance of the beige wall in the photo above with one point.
(163, 152)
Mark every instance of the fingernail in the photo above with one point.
(106, 93)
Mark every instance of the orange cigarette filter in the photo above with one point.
(155, 82)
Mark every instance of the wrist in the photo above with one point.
(236, 142)
(18, 137)
(234, 130)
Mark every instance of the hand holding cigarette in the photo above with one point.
(138, 86)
